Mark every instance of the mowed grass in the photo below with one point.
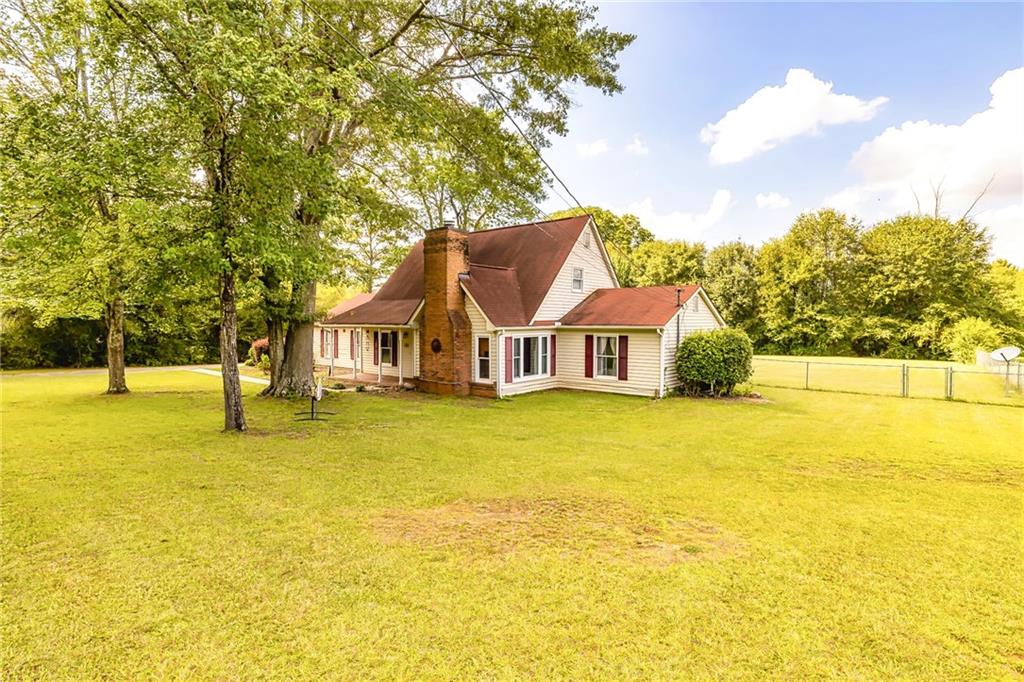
(879, 376)
(555, 535)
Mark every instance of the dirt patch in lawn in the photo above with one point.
(591, 529)
(857, 468)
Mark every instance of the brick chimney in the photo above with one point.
(446, 351)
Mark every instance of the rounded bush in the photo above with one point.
(714, 362)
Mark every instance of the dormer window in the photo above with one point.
(577, 279)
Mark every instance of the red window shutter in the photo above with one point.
(508, 359)
(394, 349)
(588, 356)
(552, 355)
(623, 357)
(321, 343)
(376, 348)
(352, 344)
(336, 343)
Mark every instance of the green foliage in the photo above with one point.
(730, 279)
(806, 282)
(672, 262)
(969, 335)
(714, 361)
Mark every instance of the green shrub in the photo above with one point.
(264, 364)
(969, 335)
(714, 362)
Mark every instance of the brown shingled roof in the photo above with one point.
(633, 307)
(511, 270)
(348, 304)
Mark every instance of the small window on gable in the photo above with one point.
(577, 279)
(696, 303)
(586, 238)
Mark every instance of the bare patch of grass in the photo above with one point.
(590, 528)
(860, 468)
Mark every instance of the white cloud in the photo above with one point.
(1006, 225)
(771, 200)
(677, 224)
(905, 164)
(775, 114)
(637, 146)
(590, 149)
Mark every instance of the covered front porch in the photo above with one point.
(379, 355)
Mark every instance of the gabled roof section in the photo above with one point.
(517, 262)
(632, 307)
(496, 292)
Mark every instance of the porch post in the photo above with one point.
(357, 354)
(401, 339)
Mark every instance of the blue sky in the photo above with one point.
(921, 70)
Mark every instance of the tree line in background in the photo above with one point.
(916, 286)
(181, 174)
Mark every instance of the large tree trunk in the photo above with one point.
(234, 416)
(297, 369)
(115, 347)
(275, 337)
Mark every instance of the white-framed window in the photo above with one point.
(696, 303)
(482, 348)
(606, 356)
(586, 238)
(577, 279)
(529, 357)
(385, 348)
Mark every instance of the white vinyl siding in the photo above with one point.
(690, 320)
(561, 298)
(642, 362)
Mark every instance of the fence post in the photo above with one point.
(905, 386)
(807, 375)
(949, 383)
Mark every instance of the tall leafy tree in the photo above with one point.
(234, 85)
(730, 277)
(88, 171)
(668, 262)
(921, 274)
(807, 281)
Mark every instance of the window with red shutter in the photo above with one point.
(322, 343)
(395, 350)
(336, 343)
(588, 356)
(351, 344)
(376, 348)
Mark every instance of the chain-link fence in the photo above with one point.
(1001, 385)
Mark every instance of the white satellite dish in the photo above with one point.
(1005, 354)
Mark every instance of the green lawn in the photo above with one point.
(552, 535)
